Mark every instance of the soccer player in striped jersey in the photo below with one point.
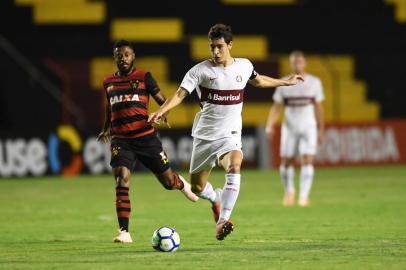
(132, 137)
(219, 83)
(302, 127)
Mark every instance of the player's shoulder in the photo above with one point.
(203, 64)
(312, 77)
(138, 73)
(200, 67)
(244, 61)
(110, 79)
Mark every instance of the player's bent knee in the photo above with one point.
(122, 176)
(307, 160)
(287, 162)
(197, 188)
(168, 179)
(122, 181)
(168, 184)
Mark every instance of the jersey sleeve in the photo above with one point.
(277, 96)
(319, 97)
(150, 84)
(252, 73)
(191, 79)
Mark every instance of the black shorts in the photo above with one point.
(147, 150)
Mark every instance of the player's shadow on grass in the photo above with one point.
(263, 247)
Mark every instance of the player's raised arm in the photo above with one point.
(262, 81)
(169, 104)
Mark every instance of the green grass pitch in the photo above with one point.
(357, 221)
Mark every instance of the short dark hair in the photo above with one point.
(221, 31)
(297, 53)
(122, 43)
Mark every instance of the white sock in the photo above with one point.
(287, 177)
(306, 181)
(208, 193)
(230, 195)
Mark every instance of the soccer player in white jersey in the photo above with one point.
(220, 83)
(302, 128)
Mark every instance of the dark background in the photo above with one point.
(365, 29)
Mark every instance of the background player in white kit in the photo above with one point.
(220, 84)
(302, 127)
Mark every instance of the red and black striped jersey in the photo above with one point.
(129, 97)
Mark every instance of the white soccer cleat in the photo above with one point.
(187, 190)
(123, 237)
(304, 202)
(289, 199)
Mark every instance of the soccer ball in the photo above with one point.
(165, 239)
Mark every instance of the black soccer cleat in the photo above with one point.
(224, 229)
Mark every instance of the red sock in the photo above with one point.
(178, 184)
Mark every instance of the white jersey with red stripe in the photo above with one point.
(299, 102)
(221, 94)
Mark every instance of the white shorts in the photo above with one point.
(298, 142)
(206, 154)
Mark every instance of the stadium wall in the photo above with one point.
(52, 100)
(68, 151)
(375, 143)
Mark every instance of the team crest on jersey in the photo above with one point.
(135, 83)
(238, 78)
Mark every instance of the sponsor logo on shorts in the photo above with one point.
(164, 158)
(115, 150)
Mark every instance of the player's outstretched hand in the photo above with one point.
(165, 119)
(154, 118)
(104, 137)
(295, 79)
